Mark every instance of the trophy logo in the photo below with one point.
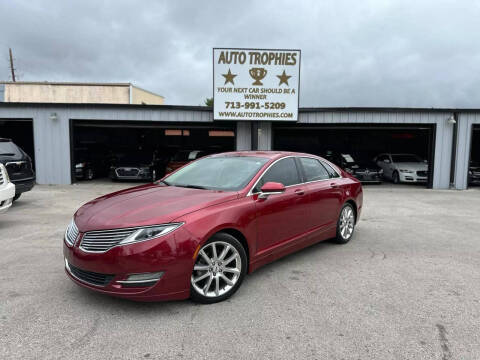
(257, 74)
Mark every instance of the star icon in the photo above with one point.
(283, 78)
(229, 77)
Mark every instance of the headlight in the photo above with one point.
(150, 232)
(80, 165)
(406, 171)
(5, 172)
(380, 171)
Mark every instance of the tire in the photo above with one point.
(207, 282)
(15, 198)
(90, 174)
(345, 224)
(396, 177)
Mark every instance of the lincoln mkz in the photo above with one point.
(197, 232)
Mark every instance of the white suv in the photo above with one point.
(403, 167)
(7, 190)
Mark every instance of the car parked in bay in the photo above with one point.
(19, 166)
(366, 171)
(403, 167)
(183, 157)
(197, 232)
(91, 163)
(136, 165)
(474, 173)
(7, 190)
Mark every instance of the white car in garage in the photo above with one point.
(403, 167)
(7, 190)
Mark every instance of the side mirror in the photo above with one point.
(386, 161)
(271, 188)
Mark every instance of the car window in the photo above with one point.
(313, 169)
(331, 172)
(283, 171)
(8, 148)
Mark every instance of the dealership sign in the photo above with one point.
(254, 84)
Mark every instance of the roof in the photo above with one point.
(263, 153)
(210, 109)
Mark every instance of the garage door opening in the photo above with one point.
(21, 133)
(362, 145)
(474, 163)
(124, 150)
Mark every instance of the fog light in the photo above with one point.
(145, 279)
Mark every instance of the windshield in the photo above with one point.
(348, 158)
(8, 148)
(229, 173)
(186, 155)
(405, 158)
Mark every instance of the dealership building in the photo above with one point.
(51, 133)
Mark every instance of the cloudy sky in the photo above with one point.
(354, 53)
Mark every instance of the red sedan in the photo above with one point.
(201, 229)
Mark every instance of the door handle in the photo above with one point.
(333, 185)
(299, 192)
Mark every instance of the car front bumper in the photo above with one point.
(23, 185)
(171, 254)
(412, 177)
(7, 192)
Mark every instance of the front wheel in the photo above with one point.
(219, 269)
(345, 224)
(15, 198)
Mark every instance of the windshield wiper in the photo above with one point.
(7, 154)
(163, 182)
(191, 186)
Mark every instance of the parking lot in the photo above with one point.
(406, 287)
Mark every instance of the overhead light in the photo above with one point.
(53, 116)
(451, 120)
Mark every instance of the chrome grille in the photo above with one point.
(89, 277)
(103, 240)
(127, 172)
(71, 234)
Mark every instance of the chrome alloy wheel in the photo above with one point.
(217, 269)
(347, 222)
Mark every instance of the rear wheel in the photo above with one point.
(345, 224)
(219, 269)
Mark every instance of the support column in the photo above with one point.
(243, 136)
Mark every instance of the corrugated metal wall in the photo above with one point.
(52, 137)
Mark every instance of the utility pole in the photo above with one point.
(12, 69)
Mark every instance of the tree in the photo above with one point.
(209, 101)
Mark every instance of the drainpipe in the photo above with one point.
(453, 160)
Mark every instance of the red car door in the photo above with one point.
(325, 192)
(281, 217)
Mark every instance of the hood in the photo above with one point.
(145, 205)
(416, 166)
